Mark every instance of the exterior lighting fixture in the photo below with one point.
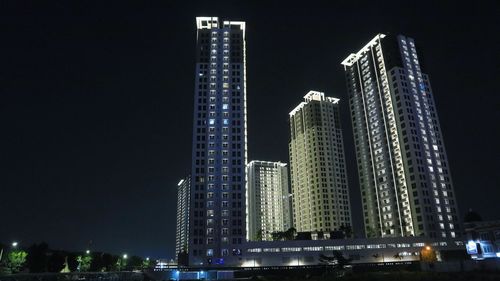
(87, 252)
(14, 244)
(125, 256)
(428, 248)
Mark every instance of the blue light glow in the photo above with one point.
(471, 248)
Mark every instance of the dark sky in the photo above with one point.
(96, 105)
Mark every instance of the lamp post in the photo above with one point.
(13, 246)
(125, 256)
(427, 254)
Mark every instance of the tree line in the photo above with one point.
(39, 258)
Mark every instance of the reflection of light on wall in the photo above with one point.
(295, 263)
(250, 263)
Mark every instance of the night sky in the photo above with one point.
(96, 105)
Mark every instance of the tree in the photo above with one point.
(337, 260)
(258, 236)
(84, 262)
(398, 256)
(14, 262)
(290, 233)
(183, 258)
(347, 229)
(120, 264)
(56, 261)
(134, 262)
(277, 236)
(147, 263)
(370, 232)
(37, 257)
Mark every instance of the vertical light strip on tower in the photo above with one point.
(182, 229)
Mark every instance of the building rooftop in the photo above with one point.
(213, 22)
(313, 95)
(352, 58)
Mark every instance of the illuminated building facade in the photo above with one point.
(182, 218)
(292, 253)
(320, 195)
(403, 169)
(268, 199)
(483, 239)
(219, 153)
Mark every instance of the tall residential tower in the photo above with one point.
(268, 200)
(317, 166)
(403, 169)
(219, 155)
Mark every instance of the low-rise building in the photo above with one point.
(483, 239)
(366, 250)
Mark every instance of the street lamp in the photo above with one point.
(125, 256)
(87, 252)
(147, 258)
(14, 245)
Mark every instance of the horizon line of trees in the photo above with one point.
(39, 258)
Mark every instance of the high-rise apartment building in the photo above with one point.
(182, 229)
(217, 210)
(320, 194)
(403, 169)
(268, 199)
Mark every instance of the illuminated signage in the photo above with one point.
(471, 248)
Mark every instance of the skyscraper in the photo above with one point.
(268, 199)
(217, 209)
(403, 169)
(317, 166)
(182, 229)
